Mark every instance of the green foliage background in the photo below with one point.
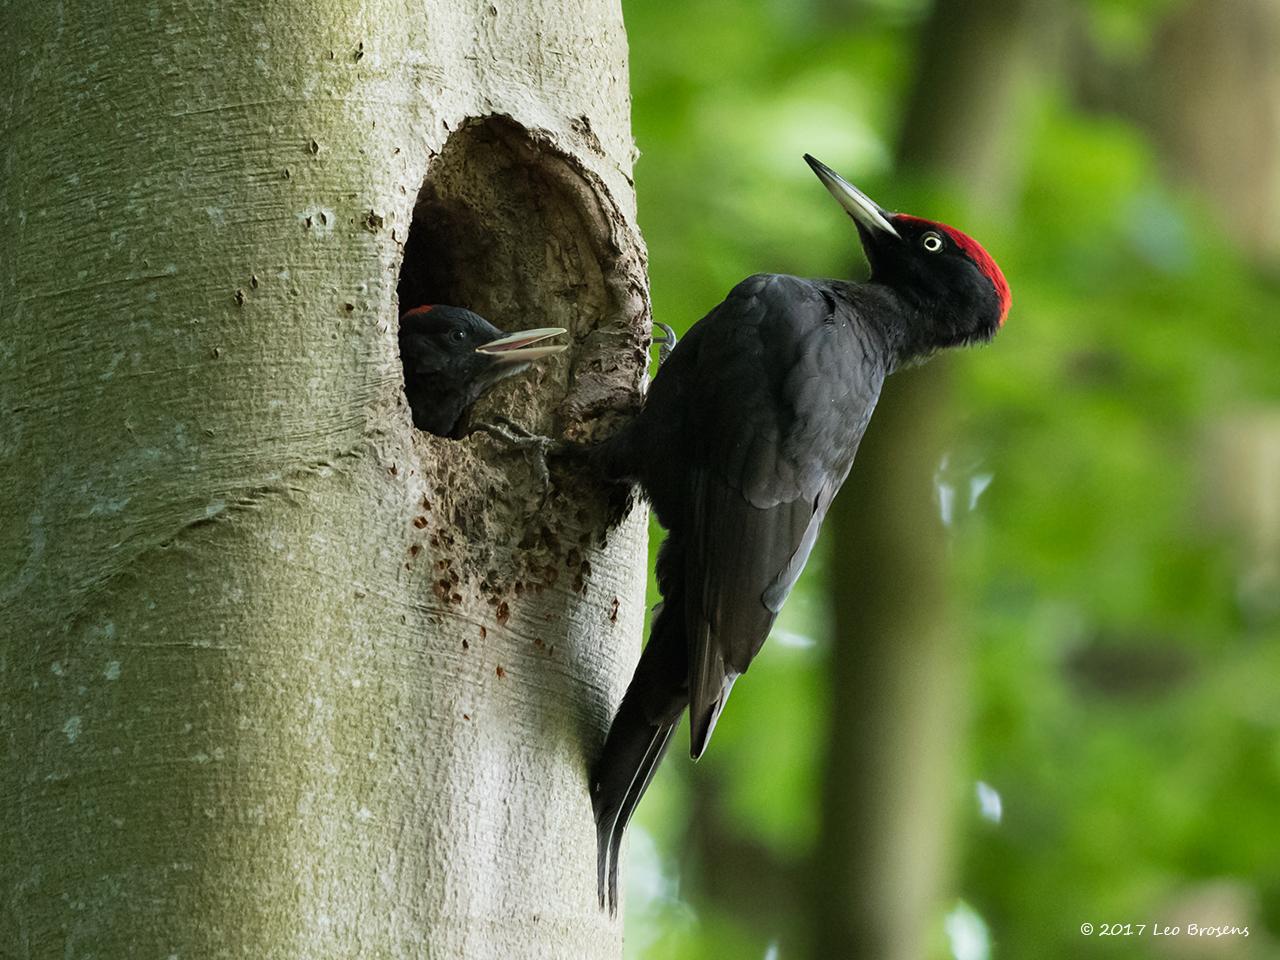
(1121, 624)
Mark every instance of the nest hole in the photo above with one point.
(506, 226)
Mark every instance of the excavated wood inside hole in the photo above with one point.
(510, 227)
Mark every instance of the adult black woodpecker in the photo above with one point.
(451, 356)
(747, 432)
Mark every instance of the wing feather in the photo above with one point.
(763, 480)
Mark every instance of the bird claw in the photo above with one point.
(505, 429)
(665, 343)
(516, 437)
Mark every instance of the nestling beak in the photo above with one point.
(856, 203)
(517, 348)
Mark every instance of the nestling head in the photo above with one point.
(451, 356)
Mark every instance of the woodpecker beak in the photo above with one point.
(856, 203)
(517, 348)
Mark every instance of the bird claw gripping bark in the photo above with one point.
(516, 437)
(665, 343)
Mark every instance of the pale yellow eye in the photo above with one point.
(931, 242)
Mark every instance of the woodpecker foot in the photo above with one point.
(513, 435)
(665, 343)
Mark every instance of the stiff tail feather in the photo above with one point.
(641, 730)
(632, 754)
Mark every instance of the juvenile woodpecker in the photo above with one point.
(747, 432)
(451, 356)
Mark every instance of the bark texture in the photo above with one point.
(279, 676)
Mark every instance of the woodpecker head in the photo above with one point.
(944, 272)
(451, 356)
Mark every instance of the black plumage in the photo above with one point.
(451, 356)
(747, 432)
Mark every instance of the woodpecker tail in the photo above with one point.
(632, 754)
(641, 730)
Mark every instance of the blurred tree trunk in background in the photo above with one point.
(899, 665)
(1208, 92)
(960, 124)
(1210, 95)
(280, 676)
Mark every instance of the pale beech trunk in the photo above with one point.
(279, 676)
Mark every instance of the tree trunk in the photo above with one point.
(897, 675)
(1209, 93)
(280, 676)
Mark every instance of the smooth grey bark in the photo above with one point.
(280, 677)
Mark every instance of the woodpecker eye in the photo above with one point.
(931, 242)
(457, 336)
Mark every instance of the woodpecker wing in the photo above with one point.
(745, 560)
(787, 380)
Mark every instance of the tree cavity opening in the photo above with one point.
(511, 228)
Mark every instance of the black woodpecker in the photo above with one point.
(747, 432)
(451, 356)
